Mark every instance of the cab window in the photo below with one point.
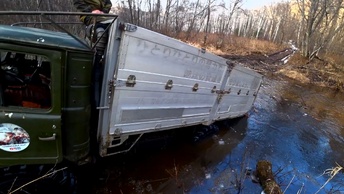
(24, 80)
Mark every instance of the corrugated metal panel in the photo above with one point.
(154, 59)
(161, 83)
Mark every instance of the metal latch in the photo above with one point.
(131, 81)
(213, 90)
(195, 87)
(169, 84)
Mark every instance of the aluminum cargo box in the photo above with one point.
(154, 82)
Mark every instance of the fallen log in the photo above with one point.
(266, 178)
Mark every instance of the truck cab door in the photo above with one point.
(30, 105)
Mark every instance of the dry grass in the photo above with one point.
(332, 172)
(327, 71)
(294, 75)
(233, 45)
(297, 60)
(245, 46)
(35, 180)
(335, 59)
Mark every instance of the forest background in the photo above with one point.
(315, 27)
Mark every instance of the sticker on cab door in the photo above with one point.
(13, 138)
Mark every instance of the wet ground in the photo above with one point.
(298, 128)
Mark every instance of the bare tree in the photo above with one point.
(207, 24)
(167, 15)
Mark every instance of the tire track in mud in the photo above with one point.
(264, 63)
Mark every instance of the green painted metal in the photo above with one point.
(70, 115)
(37, 123)
(40, 37)
(77, 105)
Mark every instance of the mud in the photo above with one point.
(261, 62)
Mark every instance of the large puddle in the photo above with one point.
(299, 129)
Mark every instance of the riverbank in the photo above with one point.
(272, 60)
(318, 71)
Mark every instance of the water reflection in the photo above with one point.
(299, 129)
(283, 130)
(175, 166)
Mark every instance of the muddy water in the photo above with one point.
(299, 129)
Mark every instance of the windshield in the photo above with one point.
(2, 56)
(24, 80)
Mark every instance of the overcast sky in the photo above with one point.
(254, 4)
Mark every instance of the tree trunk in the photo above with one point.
(207, 26)
(131, 11)
(266, 178)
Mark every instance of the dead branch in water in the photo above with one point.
(332, 172)
(39, 178)
(266, 178)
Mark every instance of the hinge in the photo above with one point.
(223, 92)
(230, 65)
(127, 27)
(111, 87)
(118, 83)
(219, 98)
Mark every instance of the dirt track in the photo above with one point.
(277, 63)
(262, 63)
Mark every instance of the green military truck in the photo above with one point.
(53, 114)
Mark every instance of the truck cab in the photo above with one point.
(45, 97)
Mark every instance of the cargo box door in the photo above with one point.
(239, 92)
